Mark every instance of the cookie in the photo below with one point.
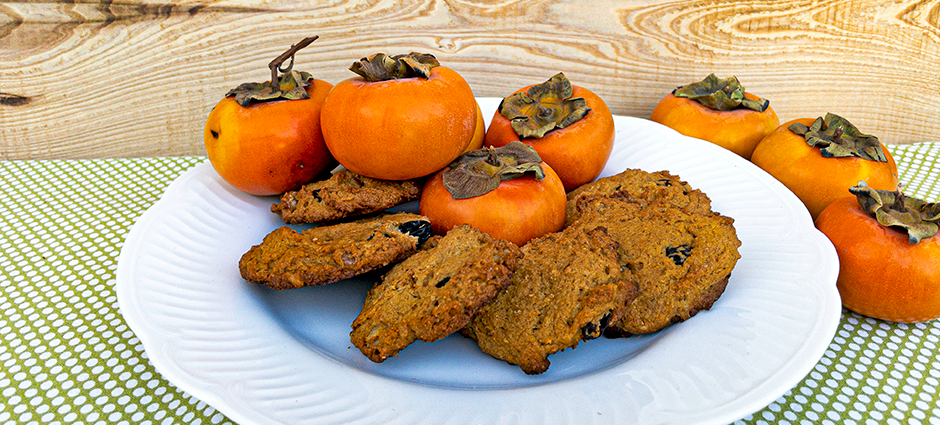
(644, 187)
(681, 260)
(345, 194)
(288, 259)
(433, 293)
(567, 289)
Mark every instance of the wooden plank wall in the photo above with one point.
(90, 79)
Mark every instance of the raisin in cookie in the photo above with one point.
(288, 259)
(681, 260)
(433, 293)
(568, 288)
(343, 195)
(644, 187)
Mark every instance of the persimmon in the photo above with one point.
(265, 138)
(570, 127)
(507, 192)
(479, 133)
(888, 251)
(819, 160)
(718, 111)
(403, 117)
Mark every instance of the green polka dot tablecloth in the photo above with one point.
(68, 357)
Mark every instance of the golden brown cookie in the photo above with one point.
(433, 293)
(568, 288)
(345, 194)
(288, 259)
(681, 260)
(644, 187)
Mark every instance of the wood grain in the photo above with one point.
(91, 79)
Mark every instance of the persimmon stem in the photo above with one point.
(492, 158)
(276, 63)
(899, 202)
(837, 135)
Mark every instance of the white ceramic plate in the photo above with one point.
(262, 356)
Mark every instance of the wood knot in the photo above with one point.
(9, 99)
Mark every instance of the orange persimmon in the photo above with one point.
(479, 132)
(264, 138)
(569, 126)
(886, 270)
(720, 112)
(814, 165)
(404, 117)
(506, 192)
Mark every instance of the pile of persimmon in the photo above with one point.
(544, 140)
(719, 111)
(888, 251)
(570, 127)
(405, 117)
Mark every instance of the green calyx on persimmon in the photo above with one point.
(919, 218)
(290, 85)
(723, 94)
(837, 137)
(479, 172)
(382, 67)
(543, 108)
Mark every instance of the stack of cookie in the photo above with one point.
(680, 252)
(640, 251)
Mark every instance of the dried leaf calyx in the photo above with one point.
(382, 67)
(479, 172)
(920, 219)
(543, 108)
(722, 94)
(837, 137)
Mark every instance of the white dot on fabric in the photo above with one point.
(62, 230)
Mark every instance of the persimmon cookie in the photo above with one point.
(345, 194)
(568, 288)
(643, 187)
(288, 259)
(433, 293)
